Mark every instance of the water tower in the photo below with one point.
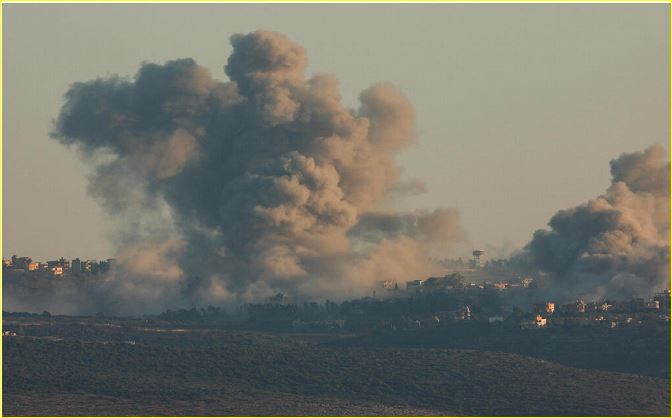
(477, 257)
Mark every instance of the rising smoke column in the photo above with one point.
(617, 245)
(239, 189)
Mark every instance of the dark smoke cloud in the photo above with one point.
(439, 228)
(617, 245)
(235, 190)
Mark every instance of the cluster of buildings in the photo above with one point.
(465, 276)
(547, 314)
(58, 267)
(541, 315)
(658, 301)
(447, 283)
(633, 311)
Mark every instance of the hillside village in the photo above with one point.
(462, 296)
(442, 301)
(56, 268)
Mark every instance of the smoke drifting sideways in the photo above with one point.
(234, 191)
(617, 245)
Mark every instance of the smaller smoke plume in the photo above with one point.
(617, 245)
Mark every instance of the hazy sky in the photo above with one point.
(519, 107)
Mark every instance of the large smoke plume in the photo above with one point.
(237, 190)
(617, 245)
(232, 191)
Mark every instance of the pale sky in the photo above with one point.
(519, 107)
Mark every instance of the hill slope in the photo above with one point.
(186, 371)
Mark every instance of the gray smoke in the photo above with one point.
(617, 245)
(237, 190)
(439, 228)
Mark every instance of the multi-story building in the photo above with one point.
(575, 307)
(663, 299)
(21, 263)
(526, 282)
(90, 266)
(76, 265)
(544, 307)
(538, 322)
